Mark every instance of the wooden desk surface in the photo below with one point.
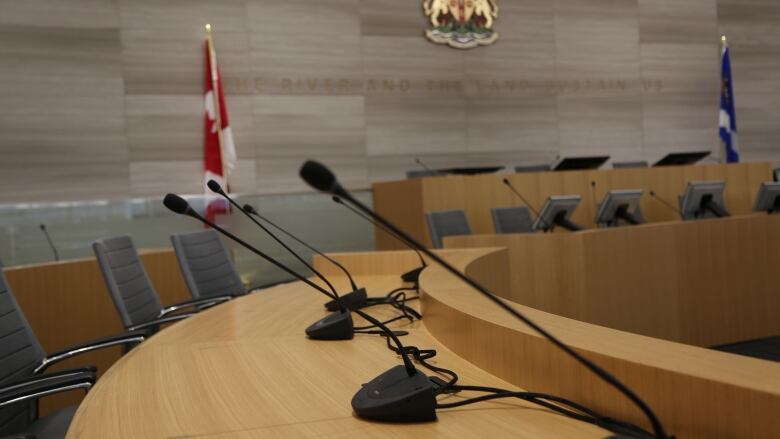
(245, 369)
(705, 283)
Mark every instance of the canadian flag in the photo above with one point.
(219, 151)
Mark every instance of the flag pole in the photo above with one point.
(215, 96)
(723, 46)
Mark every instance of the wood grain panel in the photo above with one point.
(635, 79)
(391, 18)
(478, 194)
(413, 125)
(702, 283)
(304, 40)
(63, 118)
(694, 391)
(163, 44)
(523, 124)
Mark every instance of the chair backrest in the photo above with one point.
(422, 173)
(634, 164)
(447, 223)
(134, 297)
(532, 168)
(776, 174)
(512, 219)
(20, 353)
(206, 265)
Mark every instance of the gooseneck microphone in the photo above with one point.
(593, 196)
(666, 203)
(51, 243)
(409, 276)
(516, 192)
(401, 394)
(336, 326)
(321, 178)
(217, 188)
(424, 166)
(357, 297)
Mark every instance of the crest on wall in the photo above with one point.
(462, 24)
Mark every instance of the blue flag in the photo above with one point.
(728, 115)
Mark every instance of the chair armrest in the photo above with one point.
(194, 304)
(157, 322)
(38, 386)
(127, 338)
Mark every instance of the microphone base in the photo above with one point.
(396, 397)
(355, 299)
(336, 326)
(412, 276)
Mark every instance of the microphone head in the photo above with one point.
(593, 183)
(336, 199)
(417, 160)
(506, 181)
(652, 193)
(319, 177)
(42, 226)
(177, 204)
(214, 186)
(249, 209)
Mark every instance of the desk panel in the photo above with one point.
(704, 283)
(405, 202)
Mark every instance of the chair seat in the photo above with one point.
(54, 426)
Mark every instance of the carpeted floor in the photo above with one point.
(765, 348)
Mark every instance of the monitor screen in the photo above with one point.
(768, 199)
(557, 209)
(682, 158)
(703, 199)
(620, 205)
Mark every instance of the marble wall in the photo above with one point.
(102, 99)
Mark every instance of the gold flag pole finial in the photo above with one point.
(723, 40)
(208, 27)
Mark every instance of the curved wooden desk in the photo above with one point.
(244, 369)
(704, 283)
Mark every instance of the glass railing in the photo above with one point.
(73, 227)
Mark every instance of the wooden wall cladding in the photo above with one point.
(103, 98)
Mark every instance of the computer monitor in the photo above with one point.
(682, 158)
(556, 212)
(768, 199)
(620, 207)
(580, 163)
(703, 199)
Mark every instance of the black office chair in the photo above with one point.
(422, 173)
(206, 266)
(134, 297)
(23, 380)
(634, 164)
(447, 223)
(512, 219)
(531, 168)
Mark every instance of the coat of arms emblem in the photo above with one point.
(462, 24)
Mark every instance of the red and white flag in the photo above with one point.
(219, 151)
